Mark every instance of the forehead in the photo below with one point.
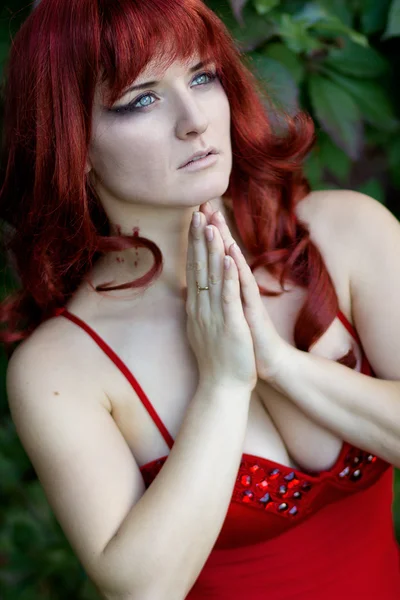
(155, 69)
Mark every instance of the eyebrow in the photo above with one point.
(153, 83)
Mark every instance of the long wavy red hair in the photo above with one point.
(55, 227)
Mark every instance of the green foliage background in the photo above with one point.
(340, 60)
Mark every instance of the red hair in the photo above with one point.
(58, 227)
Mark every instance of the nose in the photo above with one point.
(190, 117)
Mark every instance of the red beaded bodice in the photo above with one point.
(264, 485)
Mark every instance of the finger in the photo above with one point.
(216, 255)
(195, 268)
(231, 302)
(248, 284)
(200, 269)
(190, 274)
(219, 221)
(207, 210)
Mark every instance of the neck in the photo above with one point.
(168, 228)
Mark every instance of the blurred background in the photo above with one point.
(339, 60)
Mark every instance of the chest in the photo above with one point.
(157, 353)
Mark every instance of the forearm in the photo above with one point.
(164, 542)
(360, 409)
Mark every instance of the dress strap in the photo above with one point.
(124, 370)
(348, 326)
(366, 368)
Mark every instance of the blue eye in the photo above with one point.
(135, 105)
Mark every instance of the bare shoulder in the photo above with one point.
(341, 223)
(88, 473)
(54, 357)
(338, 212)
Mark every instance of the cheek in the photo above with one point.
(118, 152)
(222, 116)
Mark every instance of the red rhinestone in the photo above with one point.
(245, 480)
(356, 475)
(293, 511)
(262, 484)
(254, 468)
(265, 499)
(274, 474)
(371, 458)
(282, 507)
(293, 483)
(345, 472)
(247, 496)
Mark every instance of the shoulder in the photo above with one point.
(342, 212)
(360, 234)
(53, 358)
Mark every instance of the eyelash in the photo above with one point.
(132, 108)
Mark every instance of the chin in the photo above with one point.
(204, 191)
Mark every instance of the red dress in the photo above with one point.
(293, 535)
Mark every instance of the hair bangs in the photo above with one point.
(161, 30)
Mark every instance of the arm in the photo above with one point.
(363, 410)
(132, 542)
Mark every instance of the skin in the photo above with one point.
(134, 160)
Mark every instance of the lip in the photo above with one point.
(202, 163)
(210, 150)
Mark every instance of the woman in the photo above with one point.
(212, 442)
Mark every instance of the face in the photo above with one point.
(138, 146)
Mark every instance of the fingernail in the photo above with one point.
(220, 217)
(196, 219)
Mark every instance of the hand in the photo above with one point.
(216, 326)
(269, 347)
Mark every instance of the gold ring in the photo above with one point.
(199, 289)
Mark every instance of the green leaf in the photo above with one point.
(326, 185)
(250, 34)
(277, 81)
(282, 54)
(336, 29)
(292, 6)
(373, 188)
(393, 25)
(337, 114)
(340, 9)
(357, 60)
(296, 35)
(311, 13)
(265, 6)
(334, 159)
(313, 168)
(374, 15)
(371, 98)
(315, 16)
